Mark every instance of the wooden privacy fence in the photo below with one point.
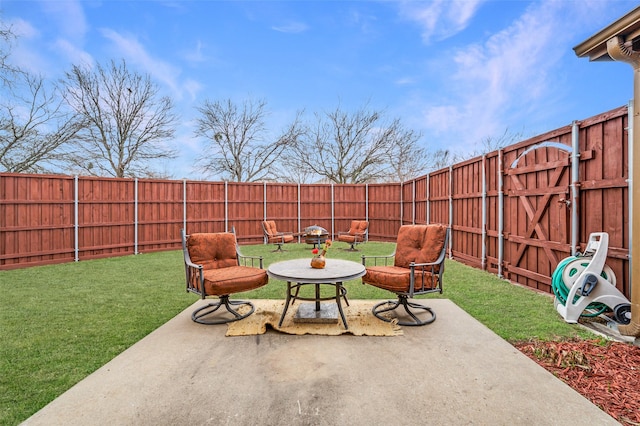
(515, 212)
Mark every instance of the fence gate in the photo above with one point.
(537, 214)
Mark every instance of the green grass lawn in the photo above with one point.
(60, 323)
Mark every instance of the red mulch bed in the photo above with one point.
(608, 374)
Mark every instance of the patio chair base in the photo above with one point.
(279, 249)
(199, 314)
(411, 309)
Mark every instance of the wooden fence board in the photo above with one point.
(206, 209)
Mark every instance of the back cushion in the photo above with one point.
(270, 226)
(353, 229)
(419, 244)
(213, 250)
(358, 227)
(434, 242)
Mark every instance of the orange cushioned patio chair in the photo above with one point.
(271, 235)
(358, 233)
(214, 267)
(417, 269)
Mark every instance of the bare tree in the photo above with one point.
(34, 127)
(7, 70)
(439, 159)
(238, 146)
(491, 143)
(126, 121)
(507, 138)
(408, 160)
(357, 147)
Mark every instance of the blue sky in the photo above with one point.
(456, 71)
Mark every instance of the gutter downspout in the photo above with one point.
(630, 111)
(617, 51)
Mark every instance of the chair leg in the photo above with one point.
(206, 310)
(352, 248)
(403, 301)
(279, 249)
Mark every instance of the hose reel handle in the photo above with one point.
(590, 282)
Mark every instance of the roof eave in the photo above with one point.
(595, 47)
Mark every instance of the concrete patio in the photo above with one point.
(454, 371)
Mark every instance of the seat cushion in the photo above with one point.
(212, 250)
(347, 238)
(395, 278)
(234, 279)
(287, 238)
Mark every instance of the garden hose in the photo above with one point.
(561, 291)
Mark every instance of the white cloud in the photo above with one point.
(494, 83)
(72, 53)
(196, 55)
(69, 17)
(291, 27)
(404, 81)
(21, 53)
(192, 87)
(134, 52)
(22, 28)
(440, 19)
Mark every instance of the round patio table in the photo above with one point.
(298, 273)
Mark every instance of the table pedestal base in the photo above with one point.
(327, 314)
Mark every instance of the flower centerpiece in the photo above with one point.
(318, 261)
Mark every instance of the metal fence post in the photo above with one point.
(226, 206)
(184, 205)
(135, 216)
(483, 260)
(451, 212)
(413, 207)
(76, 244)
(575, 163)
(428, 218)
(500, 215)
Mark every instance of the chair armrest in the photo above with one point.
(194, 277)
(360, 236)
(437, 275)
(190, 264)
(416, 265)
(249, 260)
(375, 259)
